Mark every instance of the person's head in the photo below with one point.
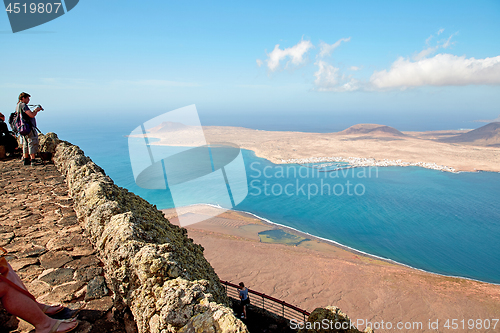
(24, 97)
(242, 285)
(2, 117)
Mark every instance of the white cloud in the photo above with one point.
(295, 53)
(328, 78)
(448, 42)
(351, 85)
(444, 43)
(326, 49)
(440, 31)
(425, 68)
(440, 70)
(427, 41)
(424, 53)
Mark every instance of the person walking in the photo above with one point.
(245, 300)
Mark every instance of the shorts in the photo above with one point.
(30, 143)
(245, 301)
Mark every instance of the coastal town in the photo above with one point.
(354, 162)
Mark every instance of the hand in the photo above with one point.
(38, 109)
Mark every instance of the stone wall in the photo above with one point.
(150, 264)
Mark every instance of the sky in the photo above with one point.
(285, 65)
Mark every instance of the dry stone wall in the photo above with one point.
(151, 265)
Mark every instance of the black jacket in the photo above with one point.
(3, 129)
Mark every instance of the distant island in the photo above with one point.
(360, 145)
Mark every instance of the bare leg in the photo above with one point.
(25, 148)
(25, 308)
(13, 277)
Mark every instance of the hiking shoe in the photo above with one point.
(35, 162)
(26, 161)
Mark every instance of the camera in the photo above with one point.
(36, 106)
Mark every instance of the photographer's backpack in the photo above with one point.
(12, 122)
(19, 124)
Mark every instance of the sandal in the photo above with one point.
(46, 308)
(67, 320)
(65, 313)
(58, 323)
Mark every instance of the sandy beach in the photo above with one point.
(315, 273)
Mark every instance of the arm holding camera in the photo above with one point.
(32, 114)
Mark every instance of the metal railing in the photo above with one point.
(268, 303)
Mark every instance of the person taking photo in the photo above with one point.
(30, 141)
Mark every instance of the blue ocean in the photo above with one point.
(446, 223)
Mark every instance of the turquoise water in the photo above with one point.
(436, 221)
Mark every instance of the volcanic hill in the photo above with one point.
(487, 135)
(372, 130)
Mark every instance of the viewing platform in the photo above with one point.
(48, 249)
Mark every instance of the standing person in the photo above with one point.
(245, 300)
(30, 141)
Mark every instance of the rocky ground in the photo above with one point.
(49, 250)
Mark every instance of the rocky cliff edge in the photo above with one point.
(151, 265)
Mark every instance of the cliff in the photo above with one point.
(151, 265)
(152, 268)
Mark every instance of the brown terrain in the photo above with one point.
(315, 273)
